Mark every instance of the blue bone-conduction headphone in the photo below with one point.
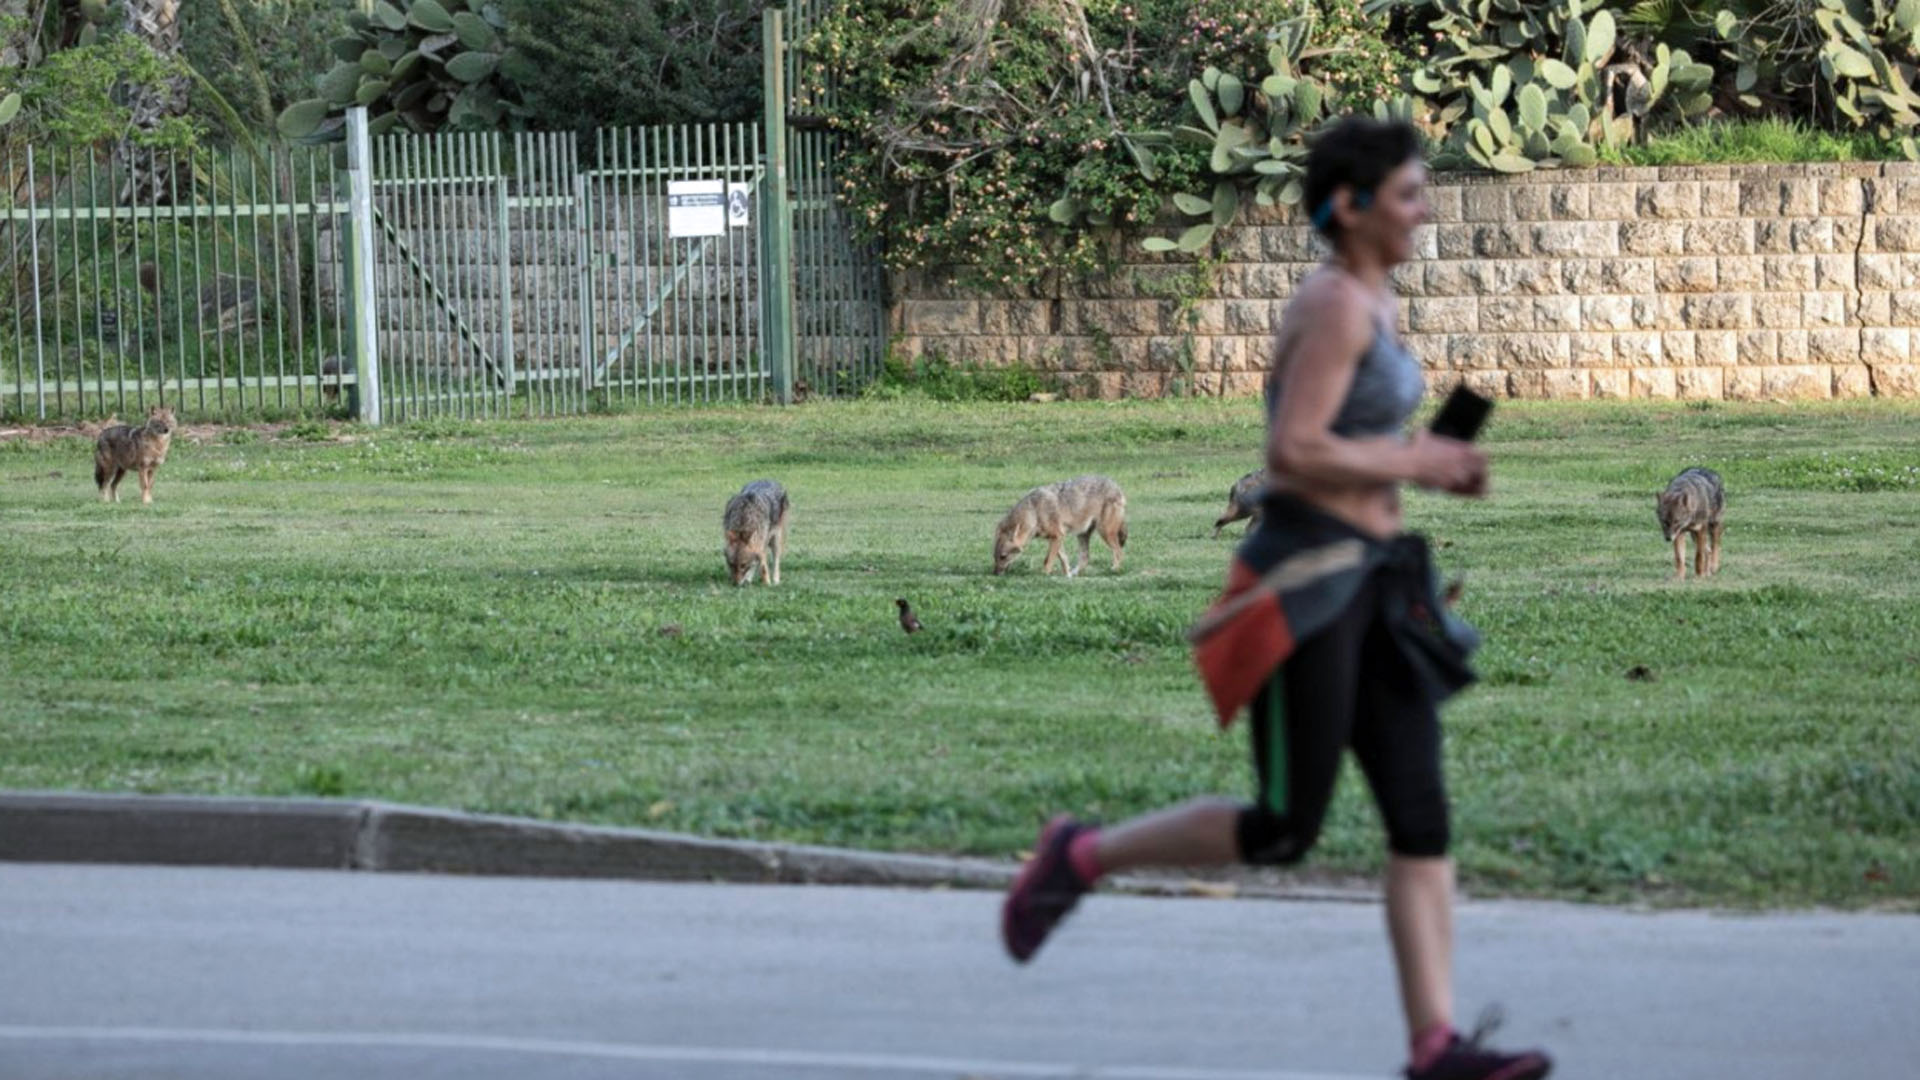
(1323, 214)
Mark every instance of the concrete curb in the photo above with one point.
(329, 834)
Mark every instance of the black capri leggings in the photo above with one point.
(1347, 685)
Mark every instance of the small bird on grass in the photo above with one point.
(907, 621)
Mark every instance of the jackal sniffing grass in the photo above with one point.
(756, 525)
(1243, 501)
(1074, 507)
(1691, 505)
(123, 448)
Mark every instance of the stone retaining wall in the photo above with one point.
(1737, 282)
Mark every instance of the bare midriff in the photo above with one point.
(1374, 509)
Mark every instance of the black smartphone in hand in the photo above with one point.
(1461, 415)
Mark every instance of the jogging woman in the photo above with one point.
(1330, 633)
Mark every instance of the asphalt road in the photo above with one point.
(214, 974)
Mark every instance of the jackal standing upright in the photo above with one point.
(1069, 508)
(124, 448)
(1691, 505)
(756, 525)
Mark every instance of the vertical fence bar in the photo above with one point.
(467, 341)
(650, 157)
(366, 351)
(583, 235)
(199, 318)
(13, 272)
(53, 242)
(279, 308)
(432, 245)
(522, 164)
(503, 235)
(33, 242)
(778, 236)
(173, 235)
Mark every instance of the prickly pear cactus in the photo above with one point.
(430, 64)
(1535, 85)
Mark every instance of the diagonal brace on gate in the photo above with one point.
(634, 329)
(440, 298)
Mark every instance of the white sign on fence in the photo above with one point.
(739, 200)
(696, 207)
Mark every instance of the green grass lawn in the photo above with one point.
(531, 618)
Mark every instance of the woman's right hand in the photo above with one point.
(1449, 465)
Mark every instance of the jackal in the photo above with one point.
(1692, 504)
(1069, 508)
(123, 448)
(1243, 501)
(756, 524)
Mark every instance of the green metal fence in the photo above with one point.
(443, 275)
(191, 279)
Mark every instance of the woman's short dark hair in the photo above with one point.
(1356, 151)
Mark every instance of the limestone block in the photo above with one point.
(1409, 279)
(1648, 312)
(1873, 309)
(1532, 351)
(1448, 278)
(1718, 311)
(1758, 347)
(1256, 316)
(1842, 196)
(933, 318)
(1588, 277)
(1284, 243)
(1840, 345)
(1793, 346)
(1701, 383)
(1906, 308)
(1720, 199)
(1505, 241)
(1652, 237)
(1493, 384)
(1834, 271)
(1579, 239)
(1743, 384)
(1879, 271)
(1741, 273)
(1885, 345)
(1570, 202)
(1716, 348)
(1640, 348)
(1670, 200)
(1567, 384)
(1014, 316)
(1727, 236)
(1488, 202)
(1492, 277)
(1455, 241)
(1607, 312)
(1778, 311)
(1785, 273)
(1447, 202)
(1824, 309)
(1896, 234)
(1536, 277)
(1556, 312)
(1611, 202)
(1505, 313)
(1451, 314)
(1532, 202)
(1796, 381)
(1896, 380)
(1852, 381)
(1906, 192)
(1676, 348)
(1686, 275)
(1658, 383)
(1609, 383)
(1591, 350)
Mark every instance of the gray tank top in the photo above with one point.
(1387, 387)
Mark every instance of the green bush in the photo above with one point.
(256, 57)
(951, 164)
(1770, 140)
(621, 62)
(936, 378)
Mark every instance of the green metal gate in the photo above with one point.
(543, 274)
